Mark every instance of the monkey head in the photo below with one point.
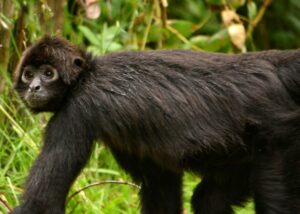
(46, 72)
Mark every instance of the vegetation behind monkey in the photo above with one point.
(234, 119)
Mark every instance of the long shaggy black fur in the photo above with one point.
(234, 119)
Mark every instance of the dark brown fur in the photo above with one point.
(234, 119)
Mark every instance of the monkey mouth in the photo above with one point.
(36, 100)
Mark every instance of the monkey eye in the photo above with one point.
(49, 73)
(28, 75)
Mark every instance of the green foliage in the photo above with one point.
(103, 42)
(217, 42)
(280, 27)
(252, 10)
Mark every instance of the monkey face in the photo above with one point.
(46, 72)
(38, 82)
(41, 87)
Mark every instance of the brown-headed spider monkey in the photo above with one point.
(233, 119)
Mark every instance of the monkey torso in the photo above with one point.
(207, 103)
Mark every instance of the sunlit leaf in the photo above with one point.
(113, 46)
(91, 36)
(112, 32)
(236, 3)
(252, 10)
(185, 28)
(94, 50)
(229, 16)
(212, 43)
(237, 35)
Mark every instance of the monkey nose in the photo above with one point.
(34, 88)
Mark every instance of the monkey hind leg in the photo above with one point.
(292, 172)
(160, 188)
(219, 191)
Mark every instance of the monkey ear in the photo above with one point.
(74, 70)
(78, 61)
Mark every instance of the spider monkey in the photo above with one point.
(233, 119)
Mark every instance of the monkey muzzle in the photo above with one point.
(35, 99)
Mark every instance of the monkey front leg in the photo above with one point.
(66, 150)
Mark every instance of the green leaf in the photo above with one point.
(185, 28)
(252, 10)
(94, 50)
(113, 46)
(155, 33)
(112, 32)
(212, 43)
(236, 3)
(91, 36)
(216, 2)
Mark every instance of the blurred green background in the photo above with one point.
(102, 26)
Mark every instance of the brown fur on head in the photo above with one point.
(50, 54)
(57, 52)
